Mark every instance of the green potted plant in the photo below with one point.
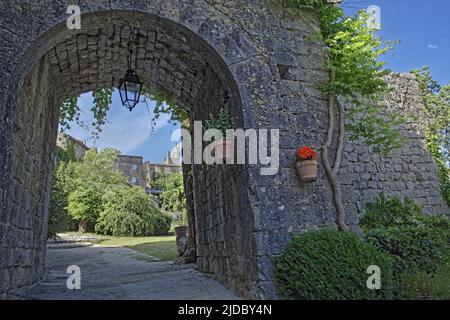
(223, 122)
(306, 164)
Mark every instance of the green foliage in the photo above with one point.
(85, 203)
(418, 244)
(437, 112)
(165, 104)
(58, 217)
(413, 248)
(97, 168)
(88, 179)
(354, 53)
(391, 212)
(102, 103)
(385, 212)
(440, 224)
(421, 285)
(70, 111)
(66, 154)
(222, 122)
(329, 264)
(173, 198)
(129, 212)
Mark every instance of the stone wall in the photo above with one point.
(23, 225)
(407, 172)
(132, 169)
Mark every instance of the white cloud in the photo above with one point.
(433, 46)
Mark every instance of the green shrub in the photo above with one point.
(329, 264)
(58, 217)
(423, 285)
(391, 212)
(440, 224)
(161, 224)
(85, 204)
(418, 244)
(413, 248)
(129, 212)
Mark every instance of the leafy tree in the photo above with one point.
(173, 198)
(357, 75)
(90, 178)
(99, 168)
(58, 218)
(85, 205)
(128, 212)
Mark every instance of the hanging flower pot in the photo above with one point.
(222, 149)
(306, 164)
(223, 122)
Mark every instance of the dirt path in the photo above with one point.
(122, 273)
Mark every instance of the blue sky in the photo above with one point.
(423, 28)
(129, 132)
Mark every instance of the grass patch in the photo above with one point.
(163, 248)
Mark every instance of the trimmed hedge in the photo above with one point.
(329, 264)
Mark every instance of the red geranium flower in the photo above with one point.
(306, 153)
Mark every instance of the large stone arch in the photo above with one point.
(199, 52)
(260, 57)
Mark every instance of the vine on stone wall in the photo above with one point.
(357, 75)
(437, 111)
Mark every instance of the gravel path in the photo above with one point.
(122, 273)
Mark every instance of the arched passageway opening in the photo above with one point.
(167, 57)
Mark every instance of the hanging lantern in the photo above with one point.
(130, 86)
(130, 89)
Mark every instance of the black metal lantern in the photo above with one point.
(130, 85)
(130, 89)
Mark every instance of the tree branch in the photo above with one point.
(340, 149)
(332, 178)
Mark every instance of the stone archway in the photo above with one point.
(201, 51)
(169, 57)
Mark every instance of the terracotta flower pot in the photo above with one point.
(307, 170)
(181, 231)
(222, 149)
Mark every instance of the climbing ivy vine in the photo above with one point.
(437, 111)
(353, 53)
(70, 111)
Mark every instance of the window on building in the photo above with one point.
(133, 180)
(135, 167)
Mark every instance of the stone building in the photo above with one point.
(132, 168)
(152, 170)
(257, 59)
(63, 140)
